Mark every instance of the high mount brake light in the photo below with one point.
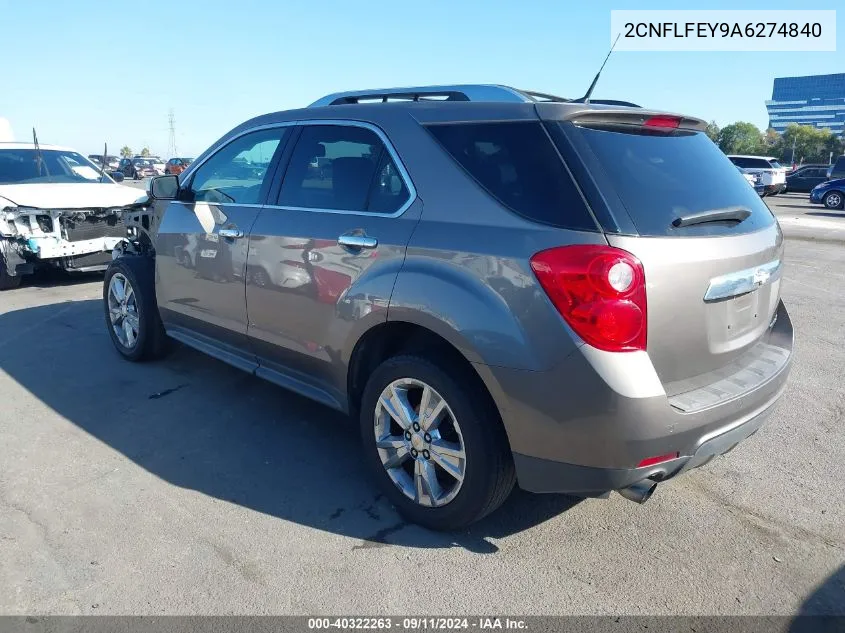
(600, 293)
(662, 121)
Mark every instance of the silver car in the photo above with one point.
(500, 287)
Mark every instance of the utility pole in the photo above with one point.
(795, 140)
(171, 142)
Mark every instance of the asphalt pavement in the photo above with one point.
(186, 487)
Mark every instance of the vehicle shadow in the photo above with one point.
(200, 424)
(824, 609)
(828, 214)
(797, 206)
(51, 278)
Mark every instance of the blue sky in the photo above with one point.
(85, 72)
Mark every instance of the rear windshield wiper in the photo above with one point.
(728, 214)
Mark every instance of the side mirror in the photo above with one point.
(117, 176)
(163, 187)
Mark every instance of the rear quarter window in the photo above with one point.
(661, 176)
(517, 164)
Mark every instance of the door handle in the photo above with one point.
(231, 233)
(357, 241)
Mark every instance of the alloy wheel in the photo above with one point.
(123, 310)
(833, 200)
(419, 442)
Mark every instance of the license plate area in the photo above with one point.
(742, 314)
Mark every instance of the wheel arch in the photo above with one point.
(394, 338)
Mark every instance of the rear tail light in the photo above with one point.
(662, 121)
(600, 293)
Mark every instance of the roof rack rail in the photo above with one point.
(467, 92)
(460, 92)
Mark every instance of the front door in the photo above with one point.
(324, 257)
(203, 238)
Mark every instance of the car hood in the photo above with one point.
(71, 195)
(839, 182)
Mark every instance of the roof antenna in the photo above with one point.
(39, 160)
(586, 97)
(103, 163)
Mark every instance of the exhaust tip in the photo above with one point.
(639, 492)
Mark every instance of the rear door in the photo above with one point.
(324, 257)
(711, 249)
(202, 241)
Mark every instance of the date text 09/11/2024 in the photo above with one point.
(416, 623)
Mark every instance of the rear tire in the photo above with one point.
(7, 281)
(833, 200)
(139, 314)
(469, 421)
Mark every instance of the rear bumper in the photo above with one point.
(571, 432)
(778, 188)
(543, 475)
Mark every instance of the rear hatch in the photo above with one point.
(710, 248)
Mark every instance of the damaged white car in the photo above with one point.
(57, 209)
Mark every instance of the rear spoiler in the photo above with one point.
(610, 115)
(639, 119)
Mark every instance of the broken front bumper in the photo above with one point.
(78, 240)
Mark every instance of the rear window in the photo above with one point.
(662, 176)
(517, 164)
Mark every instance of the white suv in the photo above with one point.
(772, 174)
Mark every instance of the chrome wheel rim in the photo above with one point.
(419, 442)
(123, 311)
(834, 200)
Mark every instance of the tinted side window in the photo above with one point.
(342, 167)
(236, 172)
(518, 165)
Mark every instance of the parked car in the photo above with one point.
(806, 177)
(140, 167)
(604, 323)
(176, 166)
(159, 165)
(754, 180)
(837, 169)
(112, 162)
(57, 210)
(772, 174)
(831, 194)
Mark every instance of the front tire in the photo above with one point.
(130, 309)
(833, 200)
(434, 441)
(7, 281)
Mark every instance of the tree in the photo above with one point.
(811, 144)
(713, 131)
(741, 138)
(125, 151)
(772, 140)
(145, 151)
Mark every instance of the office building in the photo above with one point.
(817, 100)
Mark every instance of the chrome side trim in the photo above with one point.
(742, 281)
(403, 172)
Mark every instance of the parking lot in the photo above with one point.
(184, 486)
